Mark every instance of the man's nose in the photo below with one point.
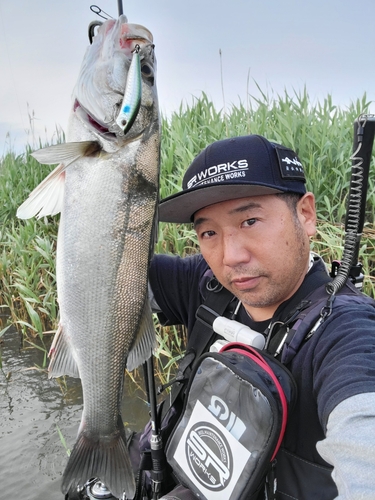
(234, 251)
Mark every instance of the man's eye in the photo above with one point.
(249, 222)
(207, 234)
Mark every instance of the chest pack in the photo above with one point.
(232, 423)
(237, 400)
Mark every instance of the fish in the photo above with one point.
(105, 188)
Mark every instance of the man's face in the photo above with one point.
(258, 248)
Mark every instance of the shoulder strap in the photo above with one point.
(288, 313)
(219, 299)
(313, 280)
(308, 320)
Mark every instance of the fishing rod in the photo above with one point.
(156, 442)
(99, 12)
(120, 8)
(349, 267)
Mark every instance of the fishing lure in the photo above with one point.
(132, 95)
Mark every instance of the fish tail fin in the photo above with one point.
(105, 459)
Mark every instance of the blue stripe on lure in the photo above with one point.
(132, 95)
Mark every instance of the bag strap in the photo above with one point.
(288, 314)
(309, 320)
(219, 299)
(313, 280)
(201, 336)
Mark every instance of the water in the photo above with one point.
(32, 408)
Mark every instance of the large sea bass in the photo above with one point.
(106, 188)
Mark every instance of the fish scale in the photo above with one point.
(106, 187)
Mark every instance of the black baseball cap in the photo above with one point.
(234, 168)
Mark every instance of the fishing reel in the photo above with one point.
(96, 490)
(93, 490)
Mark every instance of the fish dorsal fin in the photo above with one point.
(62, 360)
(48, 197)
(145, 341)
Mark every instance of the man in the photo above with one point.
(253, 217)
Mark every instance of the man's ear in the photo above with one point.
(307, 213)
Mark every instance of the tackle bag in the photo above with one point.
(232, 423)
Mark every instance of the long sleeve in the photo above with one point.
(349, 447)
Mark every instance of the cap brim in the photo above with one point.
(181, 207)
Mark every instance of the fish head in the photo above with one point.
(99, 91)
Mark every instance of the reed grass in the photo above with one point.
(321, 133)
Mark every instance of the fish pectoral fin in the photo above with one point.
(67, 152)
(61, 355)
(145, 341)
(47, 198)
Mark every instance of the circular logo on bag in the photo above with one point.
(209, 456)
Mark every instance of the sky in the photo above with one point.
(325, 45)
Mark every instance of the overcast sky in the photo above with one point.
(327, 45)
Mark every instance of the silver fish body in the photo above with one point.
(106, 235)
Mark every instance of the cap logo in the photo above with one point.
(290, 165)
(219, 173)
(294, 162)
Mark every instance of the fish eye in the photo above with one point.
(146, 70)
(148, 73)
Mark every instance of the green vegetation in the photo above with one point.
(27, 251)
(321, 133)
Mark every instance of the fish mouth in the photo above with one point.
(92, 122)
